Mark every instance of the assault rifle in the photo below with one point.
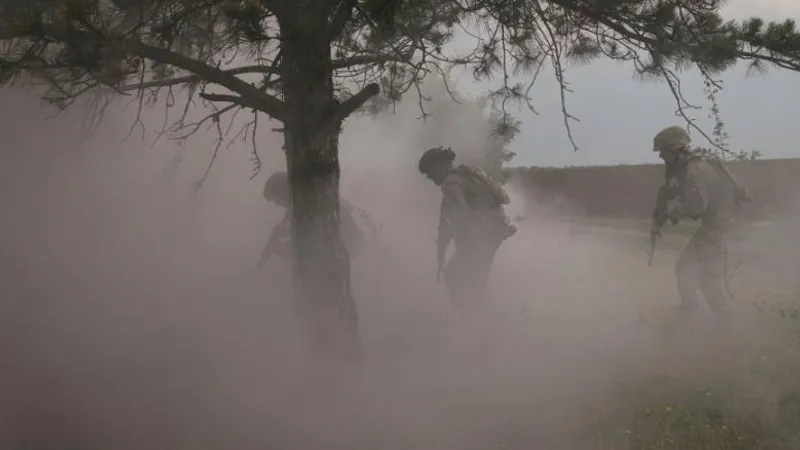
(667, 192)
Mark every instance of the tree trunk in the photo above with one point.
(321, 263)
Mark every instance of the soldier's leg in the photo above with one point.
(466, 274)
(483, 259)
(687, 271)
(713, 281)
(454, 278)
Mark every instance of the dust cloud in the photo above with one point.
(133, 316)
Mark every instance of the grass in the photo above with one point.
(671, 413)
(672, 417)
(682, 417)
(748, 400)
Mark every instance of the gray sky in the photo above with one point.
(619, 114)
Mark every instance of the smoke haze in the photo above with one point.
(133, 316)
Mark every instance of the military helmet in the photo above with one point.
(671, 139)
(433, 156)
(277, 186)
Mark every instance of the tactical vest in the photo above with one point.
(481, 182)
(740, 193)
(716, 212)
(486, 197)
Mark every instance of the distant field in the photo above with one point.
(762, 258)
(628, 192)
(615, 202)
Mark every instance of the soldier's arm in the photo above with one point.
(694, 196)
(280, 232)
(453, 209)
(284, 227)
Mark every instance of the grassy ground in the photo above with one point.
(748, 397)
(580, 312)
(752, 403)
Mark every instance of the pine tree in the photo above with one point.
(311, 63)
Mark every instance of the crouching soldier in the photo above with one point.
(276, 191)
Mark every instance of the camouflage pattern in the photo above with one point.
(702, 269)
(706, 193)
(479, 182)
(472, 216)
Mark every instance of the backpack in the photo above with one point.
(499, 222)
(740, 193)
(479, 178)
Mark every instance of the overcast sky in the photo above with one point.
(619, 114)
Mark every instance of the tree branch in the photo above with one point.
(342, 13)
(347, 107)
(235, 99)
(361, 60)
(189, 79)
(250, 95)
(254, 97)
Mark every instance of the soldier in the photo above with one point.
(276, 191)
(701, 188)
(472, 216)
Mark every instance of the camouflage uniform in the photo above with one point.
(280, 237)
(707, 192)
(472, 216)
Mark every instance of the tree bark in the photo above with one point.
(321, 263)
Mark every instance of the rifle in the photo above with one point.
(666, 193)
